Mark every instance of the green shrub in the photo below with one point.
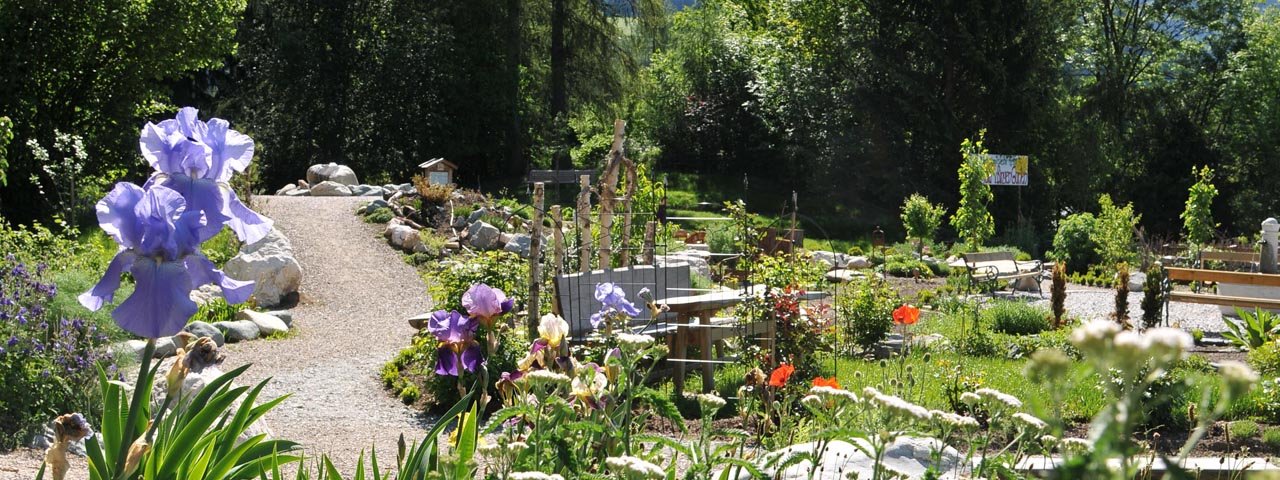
(1073, 244)
(978, 344)
(722, 238)
(1271, 437)
(1016, 318)
(1197, 218)
(1058, 293)
(1153, 297)
(432, 194)
(867, 308)
(381, 215)
(1244, 429)
(221, 247)
(505, 271)
(1113, 232)
(921, 219)
(1266, 358)
(906, 267)
(856, 251)
(409, 395)
(216, 310)
(1197, 335)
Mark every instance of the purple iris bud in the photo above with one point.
(612, 299)
(197, 159)
(484, 301)
(458, 348)
(160, 246)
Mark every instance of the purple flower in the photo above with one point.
(159, 239)
(613, 300)
(197, 159)
(458, 347)
(486, 303)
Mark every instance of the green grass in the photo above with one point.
(1082, 401)
(1271, 437)
(1244, 429)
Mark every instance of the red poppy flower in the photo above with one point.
(826, 382)
(780, 375)
(906, 315)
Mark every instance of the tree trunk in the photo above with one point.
(559, 60)
(515, 147)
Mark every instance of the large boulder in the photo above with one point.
(696, 262)
(482, 236)
(330, 189)
(331, 172)
(402, 236)
(910, 457)
(519, 244)
(286, 189)
(204, 329)
(270, 263)
(267, 324)
(239, 330)
(366, 191)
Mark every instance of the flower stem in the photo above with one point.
(135, 405)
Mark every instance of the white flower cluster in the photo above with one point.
(1238, 377)
(632, 467)
(954, 420)
(1075, 444)
(1030, 422)
(534, 476)
(634, 341)
(1104, 342)
(836, 395)
(897, 405)
(995, 397)
(541, 377)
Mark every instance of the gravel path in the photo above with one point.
(1089, 303)
(356, 294)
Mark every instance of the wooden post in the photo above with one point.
(791, 234)
(608, 193)
(535, 260)
(557, 237)
(583, 217)
(626, 217)
(650, 238)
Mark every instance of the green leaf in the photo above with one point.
(466, 442)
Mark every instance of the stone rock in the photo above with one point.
(330, 189)
(331, 172)
(43, 439)
(1026, 284)
(239, 330)
(205, 293)
(204, 329)
(285, 189)
(366, 191)
(483, 236)
(908, 456)
(519, 244)
(476, 214)
(1137, 281)
(459, 223)
(505, 238)
(857, 261)
(267, 324)
(406, 188)
(165, 348)
(303, 184)
(284, 316)
(402, 236)
(388, 189)
(419, 321)
(271, 264)
(298, 192)
(379, 203)
(844, 275)
(696, 263)
(831, 259)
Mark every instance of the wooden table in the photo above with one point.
(700, 332)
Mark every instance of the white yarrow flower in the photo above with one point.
(534, 476)
(633, 467)
(954, 420)
(970, 398)
(546, 376)
(902, 407)
(995, 396)
(1030, 421)
(1169, 344)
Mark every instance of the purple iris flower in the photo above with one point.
(486, 303)
(612, 299)
(458, 347)
(159, 244)
(197, 159)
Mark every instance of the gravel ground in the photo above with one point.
(356, 294)
(1089, 303)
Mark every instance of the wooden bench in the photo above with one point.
(1250, 259)
(1176, 274)
(560, 176)
(1002, 266)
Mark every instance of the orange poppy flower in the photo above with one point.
(826, 382)
(780, 375)
(906, 315)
